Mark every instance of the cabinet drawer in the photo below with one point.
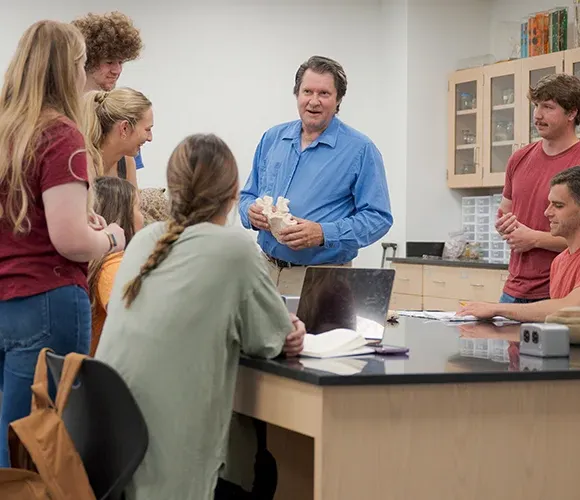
(404, 302)
(461, 283)
(503, 277)
(440, 304)
(408, 279)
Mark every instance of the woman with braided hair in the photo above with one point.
(190, 295)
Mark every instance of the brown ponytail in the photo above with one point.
(159, 254)
(202, 180)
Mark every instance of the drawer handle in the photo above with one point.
(404, 279)
(439, 282)
(477, 285)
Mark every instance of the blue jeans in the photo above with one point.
(508, 299)
(59, 319)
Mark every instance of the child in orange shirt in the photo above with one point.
(116, 200)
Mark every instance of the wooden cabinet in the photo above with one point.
(534, 69)
(408, 279)
(432, 287)
(440, 304)
(490, 116)
(465, 128)
(406, 302)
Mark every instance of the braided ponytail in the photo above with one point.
(202, 177)
(159, 254)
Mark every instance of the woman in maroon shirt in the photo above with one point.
(46, 234)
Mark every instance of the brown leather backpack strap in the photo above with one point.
(70, 370)
(40, 397)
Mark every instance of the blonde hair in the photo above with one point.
(202, 179)
(102, 110)
(43, 76)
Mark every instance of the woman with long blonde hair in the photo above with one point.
(117, 123)
(46, 234)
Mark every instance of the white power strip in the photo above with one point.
(545, 340)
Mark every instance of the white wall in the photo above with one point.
(439, 35)
(15, 17)
(506, 18)
(228, 67)
(390, 109)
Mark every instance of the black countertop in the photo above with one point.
(439, 353)
(479, 264)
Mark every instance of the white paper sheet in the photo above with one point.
(449, 316)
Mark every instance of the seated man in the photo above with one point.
(563, 212)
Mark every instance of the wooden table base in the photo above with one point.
(476, 441)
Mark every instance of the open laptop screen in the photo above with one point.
(346, 297)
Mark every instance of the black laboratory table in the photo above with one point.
(464, 416)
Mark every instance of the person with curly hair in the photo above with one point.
(111, 40)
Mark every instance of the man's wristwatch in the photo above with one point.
(112, 241)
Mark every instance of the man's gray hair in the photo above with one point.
(321, 64)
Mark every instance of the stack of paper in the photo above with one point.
(335, 343)
(446, 316)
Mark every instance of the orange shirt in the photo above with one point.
(564, 274)
(104, 287)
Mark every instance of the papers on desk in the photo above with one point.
(334, 344)
(451, 317)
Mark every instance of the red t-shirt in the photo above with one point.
(527, 184)
(565, 274)
(29, 263)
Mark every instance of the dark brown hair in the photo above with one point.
(561, 88)
(202, 180)
(114, 201)
(321, 65)
(571, 178)
(109, 37)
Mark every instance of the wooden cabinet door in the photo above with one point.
(533, 69)
(408, 279)
(501, 120)
(404, 302)
(465, 104)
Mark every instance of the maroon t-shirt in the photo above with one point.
(527, 184)
(29, 263)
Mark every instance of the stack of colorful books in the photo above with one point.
(544, 32)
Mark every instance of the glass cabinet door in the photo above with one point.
(533, 70)
(572, 67)
(501, 127)
(465, 112)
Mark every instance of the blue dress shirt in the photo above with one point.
(338, 181)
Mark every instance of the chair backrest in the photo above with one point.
(105, 424)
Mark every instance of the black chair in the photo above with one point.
(105, 424)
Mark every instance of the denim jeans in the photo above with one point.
(59, 319)
(508, 299)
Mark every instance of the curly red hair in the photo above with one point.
(109, 37)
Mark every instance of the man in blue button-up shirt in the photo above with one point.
(332, 174)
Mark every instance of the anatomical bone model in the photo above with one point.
(279, 216)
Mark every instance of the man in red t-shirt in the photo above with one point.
(521, 219)
(563, 216)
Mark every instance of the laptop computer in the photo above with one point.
(344, 297)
